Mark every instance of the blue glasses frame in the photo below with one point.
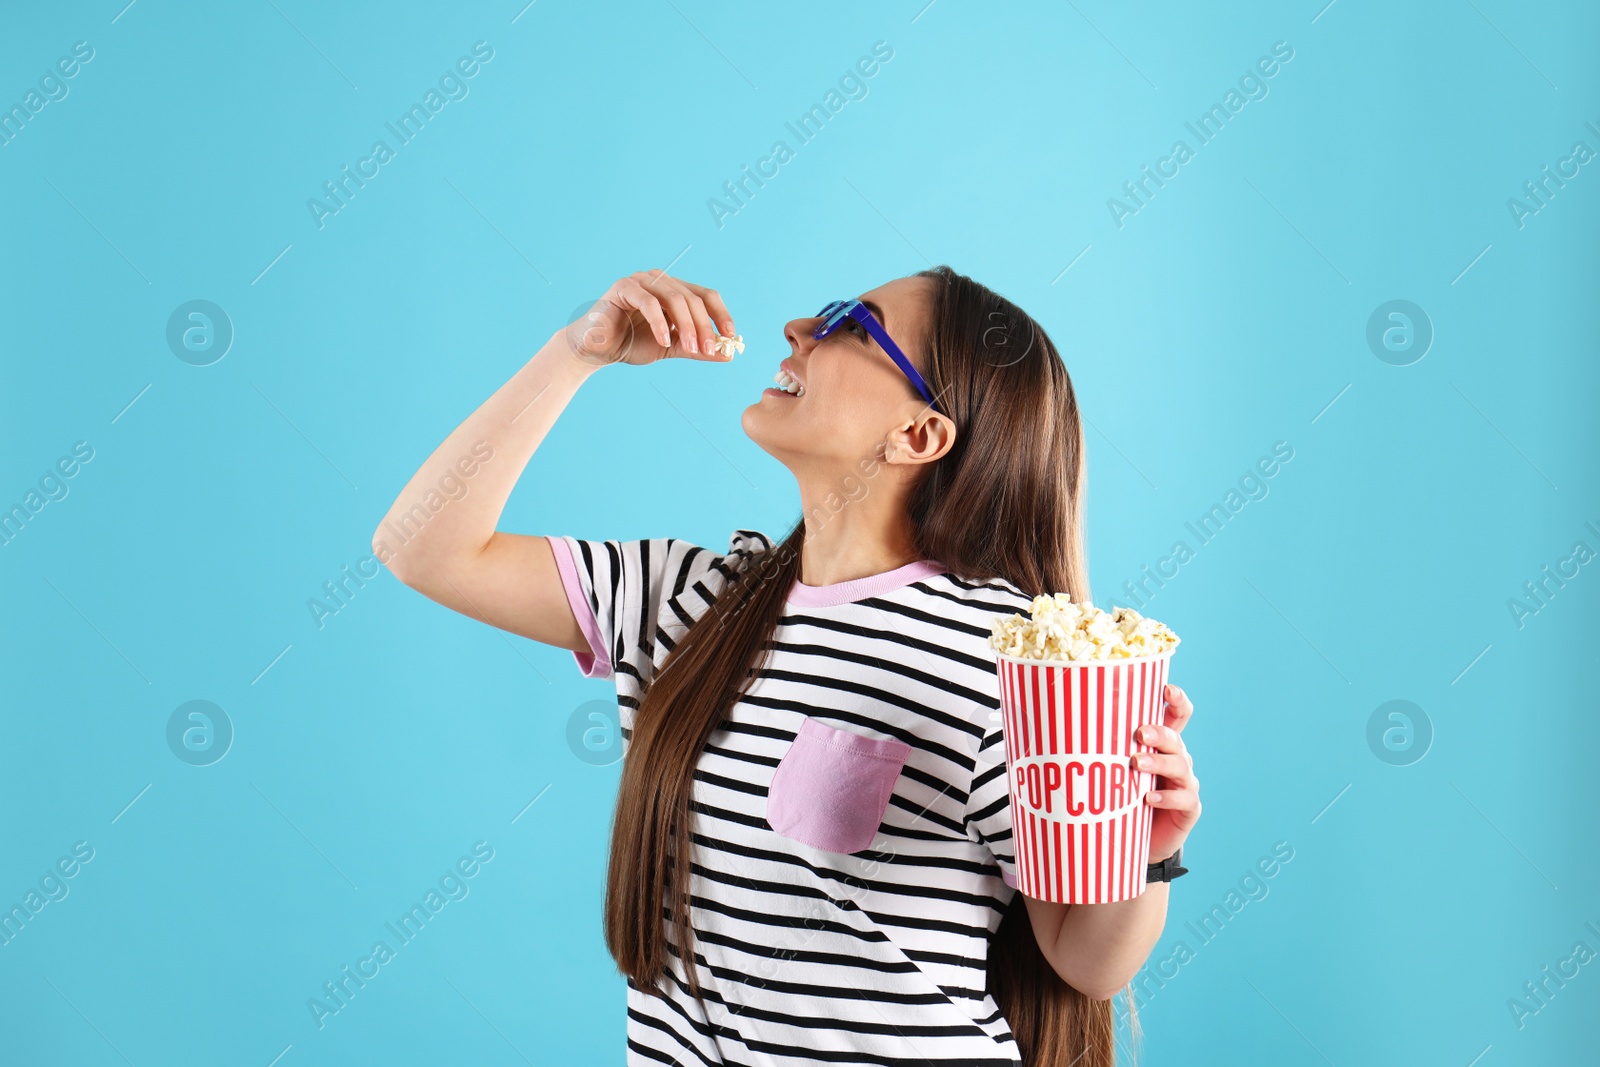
(838, 310)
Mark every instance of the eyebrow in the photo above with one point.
(877, 313)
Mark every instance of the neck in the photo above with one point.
(855, 527)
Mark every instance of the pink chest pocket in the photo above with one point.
(832, 787)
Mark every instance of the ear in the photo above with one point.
(922, 438)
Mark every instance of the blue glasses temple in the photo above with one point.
(838, 310)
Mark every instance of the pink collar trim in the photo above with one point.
(825, 596)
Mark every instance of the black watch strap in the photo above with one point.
(1167, 869)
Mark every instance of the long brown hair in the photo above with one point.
(1006, 501)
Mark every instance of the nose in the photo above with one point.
(798, 332)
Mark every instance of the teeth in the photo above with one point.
(788, 384)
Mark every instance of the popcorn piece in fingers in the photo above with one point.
(727, 346)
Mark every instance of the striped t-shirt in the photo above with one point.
(853, 847)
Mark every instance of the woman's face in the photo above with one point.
(856, 395)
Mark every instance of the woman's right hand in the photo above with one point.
(647, 316)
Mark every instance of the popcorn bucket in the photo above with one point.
(1081, 828)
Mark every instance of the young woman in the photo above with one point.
(813, 770)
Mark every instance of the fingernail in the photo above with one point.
(1155, 797)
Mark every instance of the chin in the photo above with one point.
(751, 420)
(758, 427)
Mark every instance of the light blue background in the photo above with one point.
(1228, 314)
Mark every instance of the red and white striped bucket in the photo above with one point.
(1080, 824)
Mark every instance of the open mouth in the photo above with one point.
(787, 384)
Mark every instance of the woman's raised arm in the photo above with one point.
(439, 536)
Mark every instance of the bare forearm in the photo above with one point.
(494, 443)
(1103, 945)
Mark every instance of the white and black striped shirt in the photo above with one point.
(859, 931)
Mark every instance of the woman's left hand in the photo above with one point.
(1176, 796)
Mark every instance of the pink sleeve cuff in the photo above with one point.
(596, 663)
